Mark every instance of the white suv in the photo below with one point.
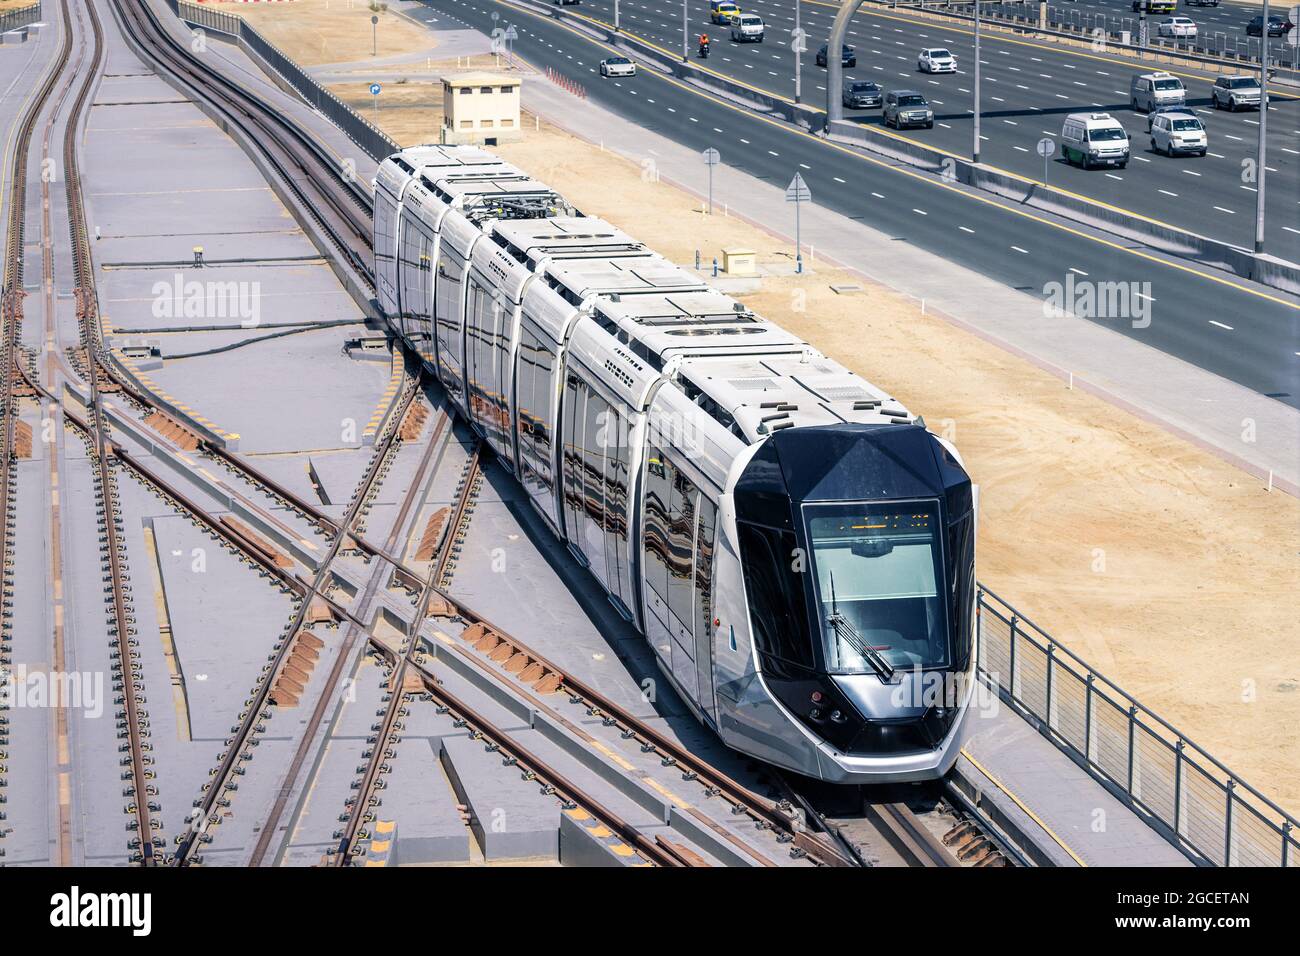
(936, 60)
(1180, 28)
(1175, 133)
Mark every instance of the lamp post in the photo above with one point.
(1261, 159)
(975, 148)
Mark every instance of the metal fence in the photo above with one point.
(1232, 47)
(1189, 797)
(376, 144)
(13, 19)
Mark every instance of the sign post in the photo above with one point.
(1046, 148)
(798, 193)
(511, 35)
(711, 158)
(374, 36)
(375, 89)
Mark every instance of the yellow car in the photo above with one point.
(721, 11)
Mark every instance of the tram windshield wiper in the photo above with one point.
(850, 635)
(864, 650)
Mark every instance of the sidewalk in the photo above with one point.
(1032, 788)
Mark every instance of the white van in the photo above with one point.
(747, 28)
(1094, 139)
(1150, 90)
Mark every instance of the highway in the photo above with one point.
(1028, 90)
(1218, 28)
(1236, 329)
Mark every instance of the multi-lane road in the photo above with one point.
(1028, 89)
(1242, 331)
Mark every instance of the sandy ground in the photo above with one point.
(331, 31)
(7, 5)
(1169, 570)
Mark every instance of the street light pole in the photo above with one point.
(798, 67)
(975, 148)
(684, 43)
(1261, 158)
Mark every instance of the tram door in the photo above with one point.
(705, 538)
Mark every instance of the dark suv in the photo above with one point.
(1277, 26)
(861, 94)
(848, 56)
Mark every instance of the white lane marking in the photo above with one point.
(1228, 211)
(920, 212)
(1018, 249)
(1221, 325)
(972, 232)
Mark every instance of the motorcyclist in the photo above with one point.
(704, 45)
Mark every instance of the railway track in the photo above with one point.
(140, 793)
(359, 808)
(898, 825)
(13, 432)
(337, 205)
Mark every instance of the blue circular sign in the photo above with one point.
(374, 89)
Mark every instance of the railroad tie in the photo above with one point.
(292, 679)
(257, 543)
(413, 423)
(432, 535)
(22, 439)
(172, 430)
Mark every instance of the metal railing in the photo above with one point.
(13, 19)
(374, 141)
(1186, 795)
(1236, 49)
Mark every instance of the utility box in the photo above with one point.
(739, 262)
(480, 108)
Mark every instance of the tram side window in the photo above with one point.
(478, 349)
(385, 241)
(447, 293)
(542, 427)
(658, 494)
(704, 545)
(774, 585)
(575, 397)
(532, 390)
(415, 284)
(613, 436)
(681, 546)
(593, 458)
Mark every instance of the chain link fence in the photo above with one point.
(13, 19)
(1189, 797)
(376, 144)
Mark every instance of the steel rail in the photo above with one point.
(360, 807)
(344, 212)
(355, 625)
(88, 318)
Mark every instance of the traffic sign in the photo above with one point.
(798, 190)
(1046, 147)
(798, 193)
(711, 157)
(375, 89)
